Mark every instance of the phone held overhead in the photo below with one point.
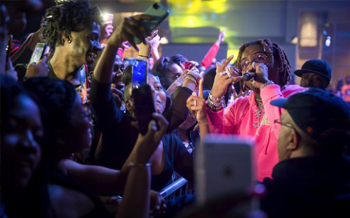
(158, 13)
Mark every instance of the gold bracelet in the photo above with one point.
(144, 56)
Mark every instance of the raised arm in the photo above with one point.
(136, 195)
(213, 51)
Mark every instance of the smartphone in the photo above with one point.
(139, 72)
(224, 165)
(159, 12)
(38, 53)
(143, 106)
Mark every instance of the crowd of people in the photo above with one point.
(71, 138)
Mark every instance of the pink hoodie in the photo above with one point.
(240, 118)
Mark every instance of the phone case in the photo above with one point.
(143, 107)
(38, 53)
(159, 12)
(224, 165)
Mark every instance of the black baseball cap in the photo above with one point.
(317, 66)
(316, 111)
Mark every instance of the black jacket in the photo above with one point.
(308, 187)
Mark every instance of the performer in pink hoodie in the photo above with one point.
(250, 115)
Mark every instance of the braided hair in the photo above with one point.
(272, 50)
(68, 16)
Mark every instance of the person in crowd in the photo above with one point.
(338, 88)
(115, 125)
(251, 115)
(72, 31)
(22, 192)
(167, 70)
(315, 73)
(13, 19)
(312, 179)
(210, 56)
(67, 131)
(106, 29)
(345, 91)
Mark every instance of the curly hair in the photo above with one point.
(162, 68)
(272, 50)
(68, 16)
(57, 100)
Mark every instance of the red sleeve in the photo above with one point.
(120, 53)
(208, 58)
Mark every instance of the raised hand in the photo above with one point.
(38, 69)
(221, 37)
(147, 144)
(128, 29)
(196, 104)
(224, 77)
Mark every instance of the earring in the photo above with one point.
(69, 40)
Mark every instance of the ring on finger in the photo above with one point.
(223, 73)
(194, 103)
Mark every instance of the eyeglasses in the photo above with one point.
(259, 58)
(284, 124)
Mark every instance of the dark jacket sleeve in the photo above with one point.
(108, 115)
(177, 113)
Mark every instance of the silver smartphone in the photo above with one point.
(224, 165)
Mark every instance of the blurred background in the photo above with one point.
(306, 29)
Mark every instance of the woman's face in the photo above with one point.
(158, 93)
(20, 151)
(255, 53)
(79, 133)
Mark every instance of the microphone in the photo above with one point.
(248, 76)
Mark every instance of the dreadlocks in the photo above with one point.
(272, 50)
(68, 16)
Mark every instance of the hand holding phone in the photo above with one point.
(38, 53)
(159, 13)
(143, 106)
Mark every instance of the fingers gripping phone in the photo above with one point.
(143, 107)
(159, 13)
(39, 51)
(142, 95)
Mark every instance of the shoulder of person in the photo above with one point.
(291, 89)
(69, 203)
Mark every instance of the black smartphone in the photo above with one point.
(143, 106)
(159, 13)
(139, 72)
(39, 51)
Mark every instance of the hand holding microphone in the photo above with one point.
(258, 74)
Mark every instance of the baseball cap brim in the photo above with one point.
(281, 102)
(300, 73)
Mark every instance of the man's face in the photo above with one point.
(284, 136)
(108, 30)
(256, 54)
(313, 80)
(175, 72)
(85, 45)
